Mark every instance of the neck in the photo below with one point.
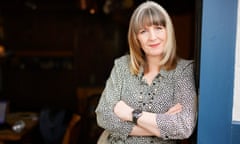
(152, 65)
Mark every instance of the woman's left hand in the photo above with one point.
(123, 111)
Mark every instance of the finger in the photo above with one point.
(175, 109)
(174, 112)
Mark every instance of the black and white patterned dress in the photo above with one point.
(167, 89)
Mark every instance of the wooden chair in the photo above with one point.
(67, 138)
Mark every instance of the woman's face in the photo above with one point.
(152, 40)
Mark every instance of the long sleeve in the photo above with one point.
(167, 89)
(181, 125)
(106, 118)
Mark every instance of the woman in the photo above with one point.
(150, 94)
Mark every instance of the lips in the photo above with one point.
(154, 45)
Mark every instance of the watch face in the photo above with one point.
(136, 114)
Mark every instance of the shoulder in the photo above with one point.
(122, 62)
(184, 65)
(121, 66)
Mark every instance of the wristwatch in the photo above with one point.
(136, 113)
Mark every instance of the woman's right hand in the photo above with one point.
(175, 109)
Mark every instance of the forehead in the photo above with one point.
(149, 16)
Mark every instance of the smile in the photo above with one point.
(154, 45)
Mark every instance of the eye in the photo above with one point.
(159, 27)
(141, 31)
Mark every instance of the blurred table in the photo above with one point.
(30, 119)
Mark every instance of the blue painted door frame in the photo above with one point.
(219, 19)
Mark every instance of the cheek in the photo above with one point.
(165, 35)
(140, 40)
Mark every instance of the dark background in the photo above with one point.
(55, 47)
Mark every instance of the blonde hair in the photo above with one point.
(147, 14)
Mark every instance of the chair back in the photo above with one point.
(70, 129)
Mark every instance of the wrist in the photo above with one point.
(136, 114)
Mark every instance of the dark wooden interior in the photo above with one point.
(57, 49)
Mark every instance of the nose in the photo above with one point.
(152, 34)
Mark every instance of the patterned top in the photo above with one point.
(167, 89)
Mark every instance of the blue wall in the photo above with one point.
(236, 132)
(217, 71)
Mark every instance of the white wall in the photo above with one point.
(236, 101)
